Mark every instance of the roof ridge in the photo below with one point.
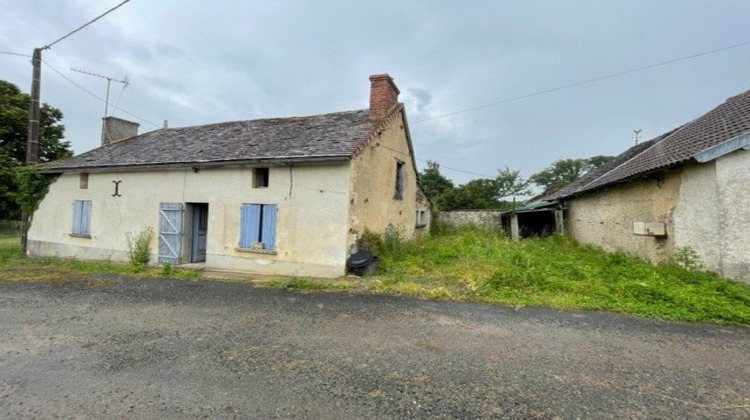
(656, 142)
(258, 119)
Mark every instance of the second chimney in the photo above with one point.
(114, 129)
(383, 95)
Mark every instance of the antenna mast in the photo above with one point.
(636, 136)
(110, 79)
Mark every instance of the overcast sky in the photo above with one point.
(195, 62)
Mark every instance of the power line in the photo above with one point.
(428, 160)
(95, 95)
(584, 82)
(12, 53)
(48, 46)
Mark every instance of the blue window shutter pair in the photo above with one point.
(249, 224)
(81, 217)
(258, 224)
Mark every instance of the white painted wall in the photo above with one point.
(697, 214)
(713, 214)
(311, 237)
(733, 180)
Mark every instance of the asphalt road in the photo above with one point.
(118, 347)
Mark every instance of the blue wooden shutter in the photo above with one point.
(170, 232)
(76, 225)
(85, 217)
(249, 224)
(268, 235)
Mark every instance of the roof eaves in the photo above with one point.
(198, 164)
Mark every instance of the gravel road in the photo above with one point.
(121, 347)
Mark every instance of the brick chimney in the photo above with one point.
(114, 129)
(383, 95)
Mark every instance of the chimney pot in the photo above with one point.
(114, 129)
(383, 95)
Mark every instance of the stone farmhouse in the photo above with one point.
(287, 196)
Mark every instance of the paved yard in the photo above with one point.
(117, 347)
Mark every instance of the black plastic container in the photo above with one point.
(362, 263)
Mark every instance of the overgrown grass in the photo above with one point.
(303, 283)
(478, 265)
(12, 259)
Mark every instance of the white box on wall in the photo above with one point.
(649, 229)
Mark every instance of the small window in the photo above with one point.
(81, 218)
(260, 177)
(83, 180)
(398, 194)
(420, 218)
(258, 226)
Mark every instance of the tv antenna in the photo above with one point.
(636, 136)
(110, 79)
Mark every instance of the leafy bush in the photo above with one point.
(167, 269)
(372, 242)
(687, 258)
(139, 247)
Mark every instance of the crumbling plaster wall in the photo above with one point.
(605, 218)
(373, 180)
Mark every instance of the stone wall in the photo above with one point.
(485, 218)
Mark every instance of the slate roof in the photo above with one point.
(670, 149)
(318, 137)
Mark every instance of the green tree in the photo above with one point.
(565, 171)
(485, 193)
(14, 120)
(433, 183)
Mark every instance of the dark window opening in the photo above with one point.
(83, 180)
(260, 177)
(400, 175)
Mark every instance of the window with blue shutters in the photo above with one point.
(81, 218)
(258, 226)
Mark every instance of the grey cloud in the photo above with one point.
(195, 62)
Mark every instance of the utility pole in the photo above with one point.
(32, 147)
(32, 143)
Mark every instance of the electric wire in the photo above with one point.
(97, 96)
(12, 53)
(442, 166)
(48, 46)
(584, 82)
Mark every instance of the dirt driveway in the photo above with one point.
(118, 347)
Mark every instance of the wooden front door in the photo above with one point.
(199, 232)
